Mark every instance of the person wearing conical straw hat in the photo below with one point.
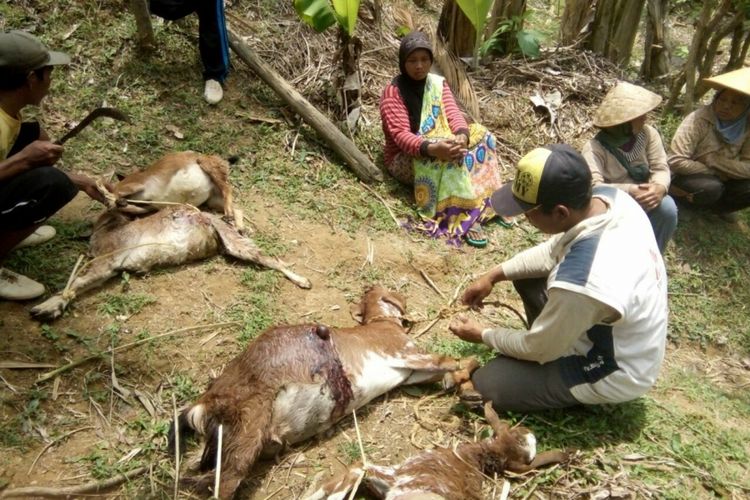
(629, 154)
(710, 152)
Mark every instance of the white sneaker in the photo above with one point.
(41, 235)
(14, 286)
(213, 92)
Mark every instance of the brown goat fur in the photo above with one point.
(169, 237)
(448, 473)
(293, 382)
(185, 177)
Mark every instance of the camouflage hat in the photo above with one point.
(623, 103)
(738, 80)
(21, 52)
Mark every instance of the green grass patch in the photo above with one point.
(124, 304)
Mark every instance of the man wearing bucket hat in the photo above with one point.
(595, 293)
(629, 154)
(31, 189)
(710, 152)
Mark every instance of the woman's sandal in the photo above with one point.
(478, 240)
(501, 221)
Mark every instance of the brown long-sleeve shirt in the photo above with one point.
(697, 148)
(606, 169)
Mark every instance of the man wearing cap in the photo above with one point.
(31, 189)
(595, 293)
(629, 154)
(710, 152)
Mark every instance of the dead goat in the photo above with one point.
(444, 473)
(169, 237)
(293, 382)
(184, 177)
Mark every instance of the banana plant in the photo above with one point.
(321, 15)
(476, 11)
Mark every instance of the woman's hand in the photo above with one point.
(446, 150)
(466, 329)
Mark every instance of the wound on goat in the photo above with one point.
(329, 367)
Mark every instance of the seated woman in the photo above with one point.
(710, 152)
(630, 155)
(428, 144)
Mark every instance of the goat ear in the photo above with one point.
(499, 426)
(397, 300)
(358, 312)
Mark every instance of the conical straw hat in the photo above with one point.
(624, 102)
(738, 80)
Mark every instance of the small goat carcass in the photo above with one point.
(293, 382)
(444, 473)
(185, 177)
(169, 237)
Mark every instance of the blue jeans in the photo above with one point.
(664, 221)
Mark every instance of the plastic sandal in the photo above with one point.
(480, 242)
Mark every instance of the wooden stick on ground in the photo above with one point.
(73, 491)
(387, 207)
(176, 448)
(55, 441)
(73, 364)
(360, 164)
(217, 479)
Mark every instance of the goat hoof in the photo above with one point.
(48, 310)
(323, 332)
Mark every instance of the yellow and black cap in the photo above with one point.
(548, 176)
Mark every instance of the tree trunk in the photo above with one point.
(456, 29)
(358, 161)
(503, 10)
(577, 14)
(614, 29)
(350, 85)
(146, 41)
(656, 51)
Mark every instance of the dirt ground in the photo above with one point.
(198, 294)
(77, 427)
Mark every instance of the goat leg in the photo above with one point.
(541, 460)
(52, 308)
(217, 170)
(243, 248)
(338, 487)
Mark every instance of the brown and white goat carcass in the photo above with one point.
(172, 236)
(184, 177)
(293, 382)
(444, 473)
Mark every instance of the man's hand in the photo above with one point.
(477, 292)
(648, 195)
(88, 186)
(466, 329)
(42, 153)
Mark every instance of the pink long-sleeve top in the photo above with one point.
(395, 119)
